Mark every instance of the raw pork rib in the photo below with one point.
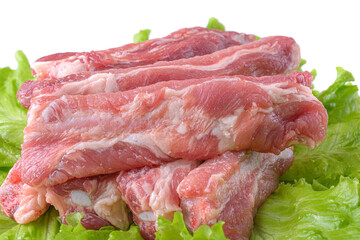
(20, 201)
(151, 192)
(231, 188)
(77, 136)
(98, 197)
(184, 43)
(265, 57)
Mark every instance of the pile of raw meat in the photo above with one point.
(200, 121)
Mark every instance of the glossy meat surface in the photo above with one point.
(20, 201)
(98, 198)
(151, 192)
(77, 136)
(231, 188)
(184, 43)
(265, 57)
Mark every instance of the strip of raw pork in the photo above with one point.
(97, 197)
(20, 201)
(265, 57)
(233, 181)
(151, 192)
(231, 188)
(184, 43)
(76, 136)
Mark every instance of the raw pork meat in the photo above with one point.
(265, 57)
(77, 136)
(231, 188)
(20, 201)
(151, 192)
(97, 197)
(184, 43)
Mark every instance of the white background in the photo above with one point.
(328, 32)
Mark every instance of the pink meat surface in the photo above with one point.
(184, 43)
(76, 136)
(265, 57)
(231, 188)
(151, 192)
(97, 197)
(20, 201)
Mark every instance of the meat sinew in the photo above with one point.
(184, 43)
(77, 136)
(267, 56)
(231, 188)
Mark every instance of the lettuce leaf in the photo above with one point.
(6, 223)
(75, 231)
(132, 234)
(142, 35)
(176, 230)
(215, 24)
(323, 201)
(3, 173)
(299, 212)
(49, 227)
(302, 63)
(45, 227)
(339, 154)
(168, 230)
(12, 123)
(341, 99)
(12, 114)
